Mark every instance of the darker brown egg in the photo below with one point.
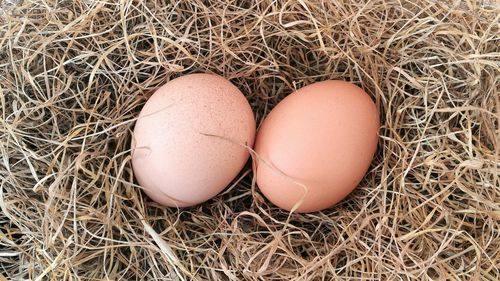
(316, 145)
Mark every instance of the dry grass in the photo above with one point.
(74, 75)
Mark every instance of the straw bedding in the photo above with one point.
(75, 74)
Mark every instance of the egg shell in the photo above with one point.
(316, 145)
(189, 140)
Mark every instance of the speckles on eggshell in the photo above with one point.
(199, 143)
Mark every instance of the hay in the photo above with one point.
(74, 75)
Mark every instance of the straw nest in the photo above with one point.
(75, 74)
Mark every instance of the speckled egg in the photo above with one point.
(190, 140)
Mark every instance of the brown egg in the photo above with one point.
(189, 140)
(316, 145)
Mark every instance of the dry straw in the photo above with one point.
(74, 75)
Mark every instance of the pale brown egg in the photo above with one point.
(189, 140)
(316, 145)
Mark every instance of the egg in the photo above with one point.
(316, 145)
(191, 139)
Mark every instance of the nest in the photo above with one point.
(75, 74)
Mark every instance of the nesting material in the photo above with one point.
(75, 74)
